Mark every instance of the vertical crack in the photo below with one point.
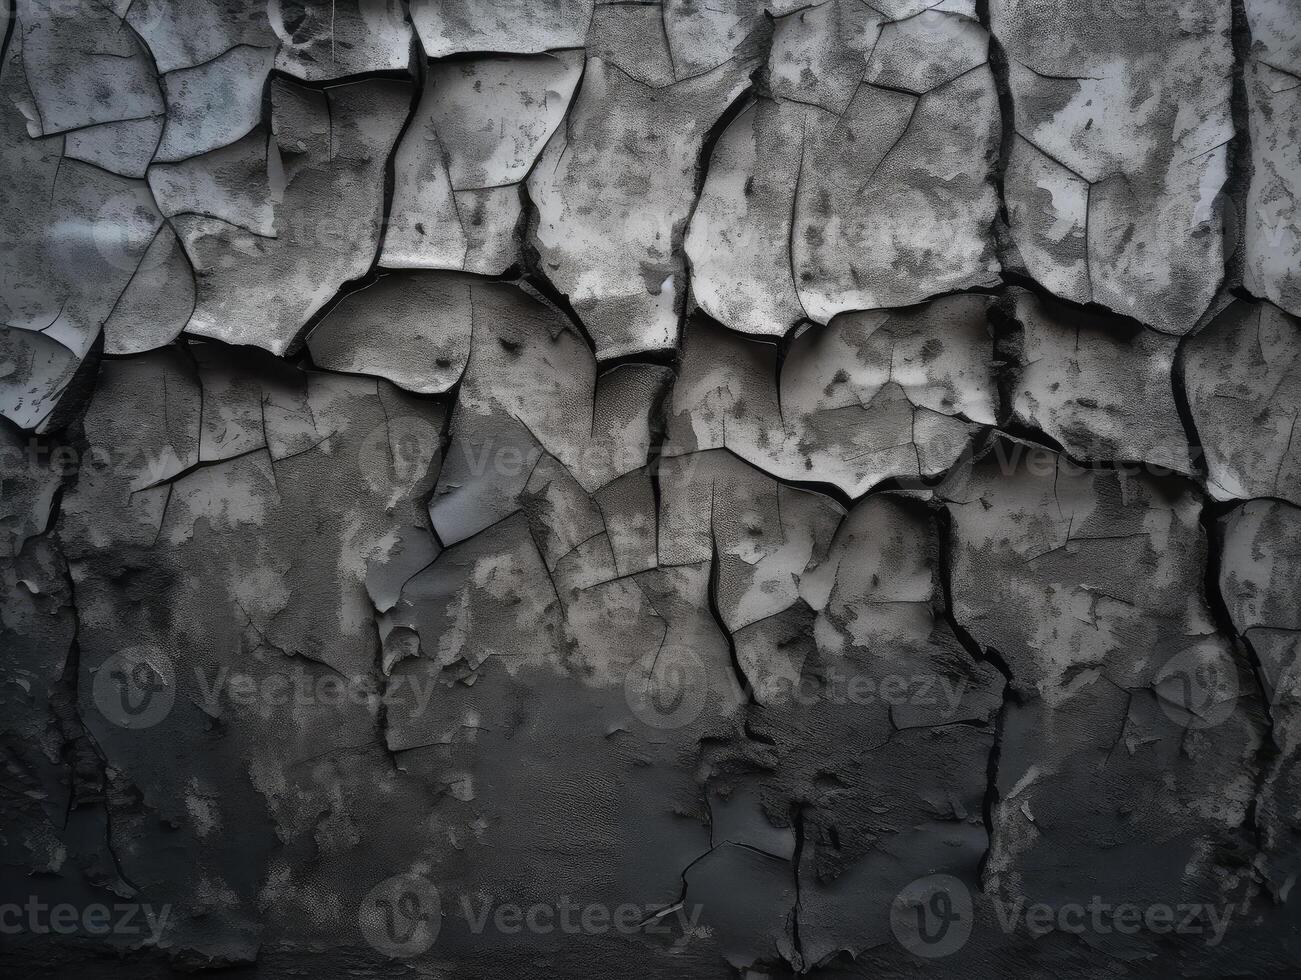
(801, 833)
(707, 147)
(1240, 167)
(944, 543)
(998, 66)
(991, 798)
(1268, 753)
(11, 23)
(715, 610)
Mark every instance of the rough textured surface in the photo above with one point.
(864, 181)
(1099, 386)
(1273, 83)
(1088, 584)
(1243, 377)
(475, 135)
(870, 397)
(291, 214)
(1120, 148)
(613, 190)
(658, 488)
(1259, 572)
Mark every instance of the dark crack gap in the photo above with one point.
(1268, 754)
(801, 835)
(716, 611)
(999, 68)
(10, 24)
(945, 542)
(415, 74)
(708, 146)
(1240, 168)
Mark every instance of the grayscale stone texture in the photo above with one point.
(659, 488)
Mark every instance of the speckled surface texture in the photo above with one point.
(651, 488)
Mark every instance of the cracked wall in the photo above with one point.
(921, 600)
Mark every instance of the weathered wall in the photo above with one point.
(650, 488)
